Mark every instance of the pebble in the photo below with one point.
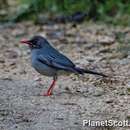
(128, 87)
(109, 100)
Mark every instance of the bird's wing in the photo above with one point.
(58, 62)
(60, 58)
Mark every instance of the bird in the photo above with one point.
(48, 61)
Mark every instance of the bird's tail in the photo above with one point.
(82, 71)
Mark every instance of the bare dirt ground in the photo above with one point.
(75, 97)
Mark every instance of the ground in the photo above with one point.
(89, 97)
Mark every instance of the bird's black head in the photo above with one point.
(35, 42)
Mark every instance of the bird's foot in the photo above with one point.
(50, 90)
(47, 94)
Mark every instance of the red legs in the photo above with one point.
(49, 91)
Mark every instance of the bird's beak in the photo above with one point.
(26, 42)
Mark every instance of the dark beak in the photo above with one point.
(26, 42)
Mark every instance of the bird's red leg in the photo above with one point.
(49, 91)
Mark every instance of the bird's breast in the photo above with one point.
(42, 68)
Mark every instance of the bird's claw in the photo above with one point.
(47, 94)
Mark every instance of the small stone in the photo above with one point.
(128, 87)
(98, 93)
(109, 100)
(106, 40)
(11, 54)
(2, 61)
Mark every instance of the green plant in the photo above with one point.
(116, 12)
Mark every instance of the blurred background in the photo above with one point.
(42, 11)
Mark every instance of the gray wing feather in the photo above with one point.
(53, 62)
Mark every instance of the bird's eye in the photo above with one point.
(34, 45)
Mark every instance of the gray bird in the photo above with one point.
(50, 62)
